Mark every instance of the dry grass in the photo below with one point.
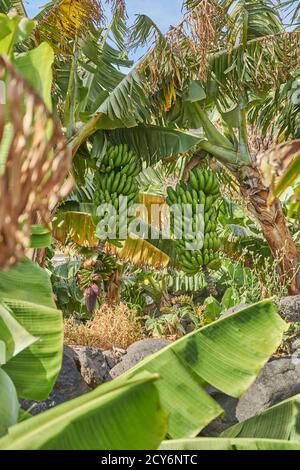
(111, 326)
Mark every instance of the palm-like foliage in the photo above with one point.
(17, 5)
(246, 78)
(230, 57)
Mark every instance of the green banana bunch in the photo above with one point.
(202, 188)
(117, 177)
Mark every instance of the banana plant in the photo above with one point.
(223, 105)
(234, 99)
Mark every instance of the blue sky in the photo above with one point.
(163, 12)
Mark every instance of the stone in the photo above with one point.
(289, 308)
(112, 358)
(136, 352)
(69, 385)
(234, 309)
(279, 380)
(218, 425)
(92, 365)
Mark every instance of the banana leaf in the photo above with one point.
(227, 354)
(281, 421)
(218, 443)
(40, 236)
(26, 294)
(76, 226)
(277, 428)
(116, 416)
(288, 178)
(152, 143)
(9, 403)
(13, 337)
(36, 67)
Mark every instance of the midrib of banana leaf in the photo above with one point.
(227, 354)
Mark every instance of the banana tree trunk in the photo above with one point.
(274, 226)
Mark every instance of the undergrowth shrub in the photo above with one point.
(111, 326)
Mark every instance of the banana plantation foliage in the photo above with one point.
(149, 227)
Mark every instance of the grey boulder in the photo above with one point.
(218, 425)
(69, 385)
(289, 308)
(279, 380)
(136, 352)
(93, 365)
(234, 309)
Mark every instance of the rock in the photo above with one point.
(234, 309)
(69, 385)
(93, 365)
(219, 425)
(279, 380)
(289, 308)
(136, 352)
(112, 358)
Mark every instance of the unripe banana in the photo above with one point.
(172, 195)
(193, 180)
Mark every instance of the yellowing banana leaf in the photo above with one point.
(141, 253)
(78, 227)
(278, 422)
(217, 443)
(119, 415)
(153, 205)
(25, 290)
(227, 354)
(60, 23)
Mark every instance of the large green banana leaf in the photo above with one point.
(9, 403)
(152, 143)
(13, 337)
(13, 30)
(216, 443)
(36, 67)
(118, 415)
(227, 354)
(26, 294)
(281, 421)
